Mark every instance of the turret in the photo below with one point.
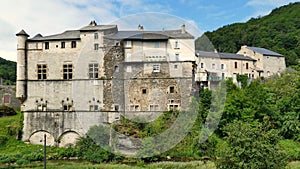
(21, 86)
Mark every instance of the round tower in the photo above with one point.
(21, 84)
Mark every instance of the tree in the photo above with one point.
(250, 145)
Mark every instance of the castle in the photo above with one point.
(71, 81)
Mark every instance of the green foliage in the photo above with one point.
(292, 148)
(251, 145)
(3, 140)
(278, 31)
(8, 71)
(7, 111)
(243, 79)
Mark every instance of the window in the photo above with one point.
(154, 107)
(73, 44)
(95, 35)
(67, 71)
(63, 44)
(235, 65)
(42, 71)
(202, 65)
(177, 56)
(93, 71)
(128, 69)
(247, 66)
(176, 45)
(213, 66)
(175, 66)
(144, 91)
(117, 108)
(94, 107)
(42, 107)
(67, 107)
(128, 44)
(46, 45)
(172, 89)
(134, 107)
(223, 76)
(156, 68)
(96, 46)
(156, 44)
(222, 66)
(116, 68)
(6, 99)
(172, 105)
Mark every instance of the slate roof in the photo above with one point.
(264, 51)
(98, 27)
(22, 32)
(223, 55)
(67, 35)
(149, 35)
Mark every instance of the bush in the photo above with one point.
(3, 140)
(250, 146)
(7, 111)
(292, 149)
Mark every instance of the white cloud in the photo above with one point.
(47, 17)
(274, 3)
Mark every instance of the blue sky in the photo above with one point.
(55, 16)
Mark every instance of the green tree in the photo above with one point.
(250, 145)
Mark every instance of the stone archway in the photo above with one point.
(68, 138)
(37, 137)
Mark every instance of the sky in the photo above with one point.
(55, 16)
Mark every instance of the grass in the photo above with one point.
(86, 165)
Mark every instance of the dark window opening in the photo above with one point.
(96, 36)
(63, 44)
(42, 71)
(67, 71)
(235, 65)
(144, 91)
(93, 71)
(172, 89)
(46, 45)
(73, 44)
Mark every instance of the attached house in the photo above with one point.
(268, 62)
(214, 67)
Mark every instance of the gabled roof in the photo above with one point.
(223, 55)
(264, 51)
(67, 35)
(150, 35)
(98, 27)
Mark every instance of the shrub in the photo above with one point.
(251, 146)
(3, 140)
(292, 149)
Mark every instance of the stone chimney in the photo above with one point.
(140, 28)
(93, 23)
(183, 31)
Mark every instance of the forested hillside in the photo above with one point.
(279, 31)
(8, 71)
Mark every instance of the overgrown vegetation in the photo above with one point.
(8, 71)
(278, 31)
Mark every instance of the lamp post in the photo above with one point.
(44, 151)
